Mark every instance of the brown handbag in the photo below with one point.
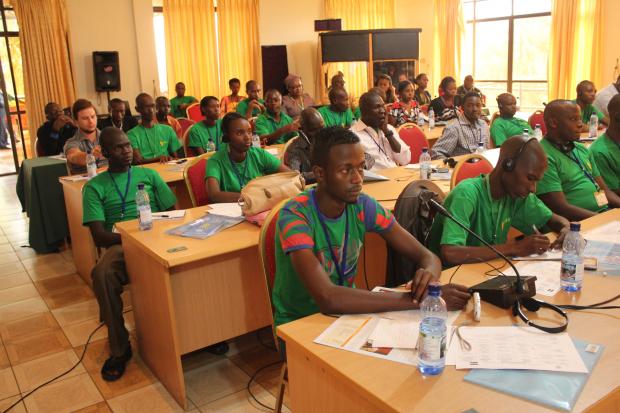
(263, 193)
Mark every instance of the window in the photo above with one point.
(160, 49)
(506, 49)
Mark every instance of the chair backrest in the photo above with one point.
(193, 112)
(39, 148)
(189, 152)
(285, 148)
(267, 254)
(194, 175)
(537, 118)
(470, 166)
(495, 116)
(413, 136)
(185, 124)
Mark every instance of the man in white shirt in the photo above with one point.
(604, 96)
(379, 139)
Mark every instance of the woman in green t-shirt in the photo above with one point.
(237, 163)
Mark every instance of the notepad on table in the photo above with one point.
(176, 214)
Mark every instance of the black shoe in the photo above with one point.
(218, 349)
(114, 367)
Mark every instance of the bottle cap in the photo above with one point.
(424, 150)
(575, 226)
(434, 289)
(140, 186)
(537, 125)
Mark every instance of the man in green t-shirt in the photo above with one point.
(605, 151)
(506, 125)
(275, 126)
(320, 234)
(253, 105)
(238, 162)
(490, 204)
(572, 186)
(338, 113)
(179, 103)
(107, 199)
(586, 93)
(151, 141)
(208, 131)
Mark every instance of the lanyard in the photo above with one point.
(340, 269)
(118, 191)
(500, 209)
(381, 147)
(571, 155)
(155, 153)
(240, 178)
(473, 135)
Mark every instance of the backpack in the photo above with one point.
(415, 215)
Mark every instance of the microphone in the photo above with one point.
(500, 291)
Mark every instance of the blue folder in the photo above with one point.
(555, 389)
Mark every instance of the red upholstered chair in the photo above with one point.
(189, 152)
(194, 176)
(538, 118)
(267, 256)
(470, 166)
(413, 136)
(185, 124)
(193, 112)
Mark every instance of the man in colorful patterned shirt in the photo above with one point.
(320, 234)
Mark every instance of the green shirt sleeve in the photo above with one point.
(532, 212)
(462, 208)
(498, 134)
(242, 107)
(269, 163)
(607, 166)
(262, 126)
(164, 196)
(131, 135)
(193, 138)
(214, 169)
(92, 206)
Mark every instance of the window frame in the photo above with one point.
(511, 20)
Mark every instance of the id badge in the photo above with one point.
(601, 198)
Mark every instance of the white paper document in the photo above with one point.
(358, 333)
(547, 275)
(517, 348)
(370, 176)
(412, 166)
(273, 151)
(176, 214)
(441, 176)
(75, 178)
(227, 209)
(555, 255)
(609, 232)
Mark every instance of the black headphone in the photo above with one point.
(532, 304)
(509, 164)
(564, 148)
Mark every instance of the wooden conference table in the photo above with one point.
(329, 380)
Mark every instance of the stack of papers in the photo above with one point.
(390, 336)
(370, 176)
(547, 275)
(229, 209)
(75, 178)
(609, 232)
(273, 151)
(515, 348)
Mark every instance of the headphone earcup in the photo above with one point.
(531, 304)
(508, 164)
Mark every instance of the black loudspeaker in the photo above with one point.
(107, 72)
(327, 25)
(275, 68)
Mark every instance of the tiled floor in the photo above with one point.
(46, 315)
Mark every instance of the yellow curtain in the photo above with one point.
(239, 42)
(191, 55)
(576, 42)
(43, 37)
(357, 15)
(448, 35)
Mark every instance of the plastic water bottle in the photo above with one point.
(425, 164)
(210, 146)
(432, 338)
(593, 128)
(91, 164)
(571, 271)
(480, 148)
(526, 133)
(145, 218)
(420, 121)
(255, 141)
(431, 118)
(538, 132)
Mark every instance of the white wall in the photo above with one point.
(291, 23)
(125, 26)
(418, 14)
